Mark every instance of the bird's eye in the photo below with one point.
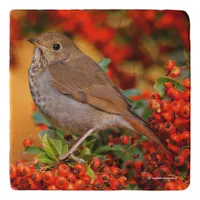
(56, 46)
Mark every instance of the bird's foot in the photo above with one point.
(76, 159)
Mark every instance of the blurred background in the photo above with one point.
(139, 43)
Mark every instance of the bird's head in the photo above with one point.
(55, 47)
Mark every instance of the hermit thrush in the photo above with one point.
(73, 93)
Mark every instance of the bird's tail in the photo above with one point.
(142, 127)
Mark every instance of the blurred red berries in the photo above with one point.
(27, 142)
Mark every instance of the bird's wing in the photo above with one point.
(83, 80)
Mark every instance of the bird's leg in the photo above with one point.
(78, 160)
(80, 140)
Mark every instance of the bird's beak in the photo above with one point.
(36, 43)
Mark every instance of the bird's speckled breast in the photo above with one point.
(61, 110)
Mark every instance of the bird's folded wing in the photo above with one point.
(84, 81)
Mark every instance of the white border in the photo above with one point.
(191, 7)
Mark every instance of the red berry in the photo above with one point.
(36, 176)
(169, 66)
(170, 186)
(80, 184)
(155, 105)
(155, 116)
(175, 72)
(173, 148)
(138, 166)
(186, 95)
(29, 184)
(129, 164)
(106, 168)
(175, 138)
(186, 153)
(70, 186)
(95, 164)
(13, 171)
(186, 83)
(71, 177)
(104, 177)
(52, 187)
(97, 184)
(185, 137)
(168, 116)
(181, 124)
(168, 85)
(122, 180)
(169, 128)
(116, 185)
(88, 188)
(63, 170)
(80, 169)
(123, 139)
(146, 176)
(115, 170)
(155, 96)
(164, 170)
(177, 105)
(185, 111)
(159, 127)
(179, 160)
(61, 182)
(87, 179)
(107, 188)
(27, 171)
(27, 142)
(48, 177)
(165, 105)
(19, 166)
(174, 94)
(110, 74)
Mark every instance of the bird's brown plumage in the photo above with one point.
(96, 90)
(93, 88)
(75, 75)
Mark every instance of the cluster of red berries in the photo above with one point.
(27, 177)
(171, 120)
(62, 177)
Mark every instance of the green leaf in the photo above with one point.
(132, 187)
(49, 148)
(139, 104)
(85, 151)
(43, 158)
(57, 143)
(183, 171)
(60, 133)
(147, 113)
(88, 143)
(159, 85)
(131, 92)
(64, 149)
(39, 119)
(90, 172)
(104, 64)
(42, 133)
(105, 149)
(33, 150)
(88, 157)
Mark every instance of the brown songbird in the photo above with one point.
(74, 94)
